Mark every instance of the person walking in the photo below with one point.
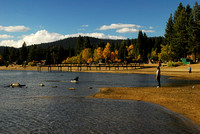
(158, 76)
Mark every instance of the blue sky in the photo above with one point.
(40, 21)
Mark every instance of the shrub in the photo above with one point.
(174, 64)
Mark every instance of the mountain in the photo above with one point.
(71, 42)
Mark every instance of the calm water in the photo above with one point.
(35, 109)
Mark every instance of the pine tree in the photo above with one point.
(169, 31)
(122, 51)
(23, 53)
(79, 45)
(194, 30)
(180, 40)
(86, 43)
(139, 46)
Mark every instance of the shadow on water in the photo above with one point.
(46, 109)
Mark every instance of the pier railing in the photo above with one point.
(89, 67)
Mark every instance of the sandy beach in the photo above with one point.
(184, 100)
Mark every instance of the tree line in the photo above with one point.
(84, 51)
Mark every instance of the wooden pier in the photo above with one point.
(89, 67)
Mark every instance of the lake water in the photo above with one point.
(35, 109)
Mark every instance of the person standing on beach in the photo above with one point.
(190, 69)
(158, 76)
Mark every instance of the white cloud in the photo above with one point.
(11, 43)
(127, 30)
(43, 36)
(5, 36)
(85, 26)
(148, 31)
(132, 30)
(118, 26)
(14, 28)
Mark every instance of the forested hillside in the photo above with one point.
(58, 51)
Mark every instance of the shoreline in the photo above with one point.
(184, 100)
(180, 72)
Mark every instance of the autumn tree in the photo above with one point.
(114, 56)
(98, 55)
(131, 53)
(106, 52)
(87, 55)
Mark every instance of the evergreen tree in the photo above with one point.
(139, 45)
(12, 55)
(146, 48)
(32, 53)
(169, 31)
(48, 57)
(178, 11)
(86, 43)
(194, 30)
(79, 45)
(5, 55)
(61, 54)
(122, 51)
(23, 53)
(180, 40)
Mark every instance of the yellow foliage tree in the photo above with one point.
(87, 55)
(106, 52)
(98, 54)
(131, 54)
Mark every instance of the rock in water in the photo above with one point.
(41, 85)
(15, 85)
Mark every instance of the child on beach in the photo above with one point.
(158, 76)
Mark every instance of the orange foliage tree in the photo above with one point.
(114, 56)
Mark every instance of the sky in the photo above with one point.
(42, 21)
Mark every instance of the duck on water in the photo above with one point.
(74, 80)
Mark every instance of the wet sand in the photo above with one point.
(184, 100)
